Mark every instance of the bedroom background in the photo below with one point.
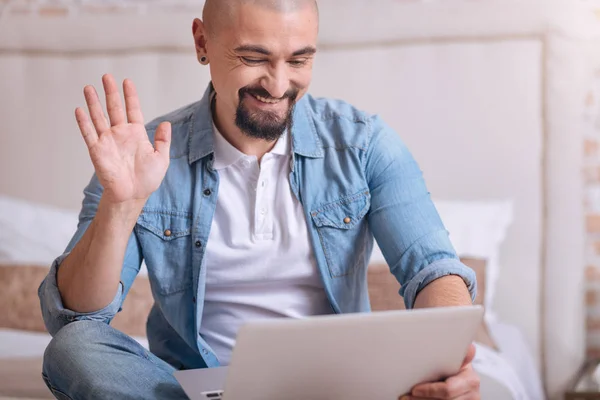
(498, 100)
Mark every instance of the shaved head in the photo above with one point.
(260, 54)
(218, 14)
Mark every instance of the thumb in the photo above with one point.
(470, 355)
(162, 139)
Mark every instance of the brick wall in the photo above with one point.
(65, 8)
(591, 173)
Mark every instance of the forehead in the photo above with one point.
(279, 32)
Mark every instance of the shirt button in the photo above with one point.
(263, 211)
(167, 233)
(347, 220)
(246, 164)
(205, 352)
(207, 192)
(194, 299)
(198, 243)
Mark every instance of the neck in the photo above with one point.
(224, 120)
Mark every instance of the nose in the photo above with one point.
(277, 81)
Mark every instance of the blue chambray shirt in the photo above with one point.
(356, 181)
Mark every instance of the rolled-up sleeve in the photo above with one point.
(54, 313)
(436, 270)
(404, 220)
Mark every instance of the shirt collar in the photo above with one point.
(303, 138)
(281, 147)
(225, 153)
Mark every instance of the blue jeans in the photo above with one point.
(91, 360)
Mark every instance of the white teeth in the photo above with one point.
(268, 101)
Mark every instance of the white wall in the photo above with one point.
(43, 157)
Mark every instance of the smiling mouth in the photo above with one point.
(266, 100)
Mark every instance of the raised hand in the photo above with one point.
(128, 166)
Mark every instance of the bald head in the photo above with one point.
(219, 14)
(260, 54)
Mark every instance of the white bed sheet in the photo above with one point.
(511, 372)
(24, 344)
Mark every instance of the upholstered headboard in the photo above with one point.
(467, 86)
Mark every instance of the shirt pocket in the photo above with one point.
(343, 232)
(166, 241)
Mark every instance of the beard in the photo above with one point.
(260, 124)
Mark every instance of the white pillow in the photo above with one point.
(35, 234)
(32, 233)
(477, 229)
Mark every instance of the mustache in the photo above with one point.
(291, 93)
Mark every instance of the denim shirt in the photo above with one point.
(356, 181)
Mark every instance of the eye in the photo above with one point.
(252, 61)
(299, 62)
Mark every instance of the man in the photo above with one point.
(258, 201)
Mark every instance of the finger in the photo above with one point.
(467, 396)
(132, 103)
(85, 126)
(95, 109)
(470, 396)
(162, 139)
(409, 397)
(470, 355)
(466, 381)
(413, 398)
(113, 100)
(438, 390)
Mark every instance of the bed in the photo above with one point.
(477, 90)
(504, 359)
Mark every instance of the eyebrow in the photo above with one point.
(250, 48)
(306, 51)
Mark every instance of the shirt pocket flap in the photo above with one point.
(344, 213)
(166, 225)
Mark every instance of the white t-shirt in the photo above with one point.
(259, 260)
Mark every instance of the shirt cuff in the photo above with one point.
(55, 312)
(435, 270)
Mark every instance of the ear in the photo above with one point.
(199, 32)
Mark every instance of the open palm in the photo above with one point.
(128, 166)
